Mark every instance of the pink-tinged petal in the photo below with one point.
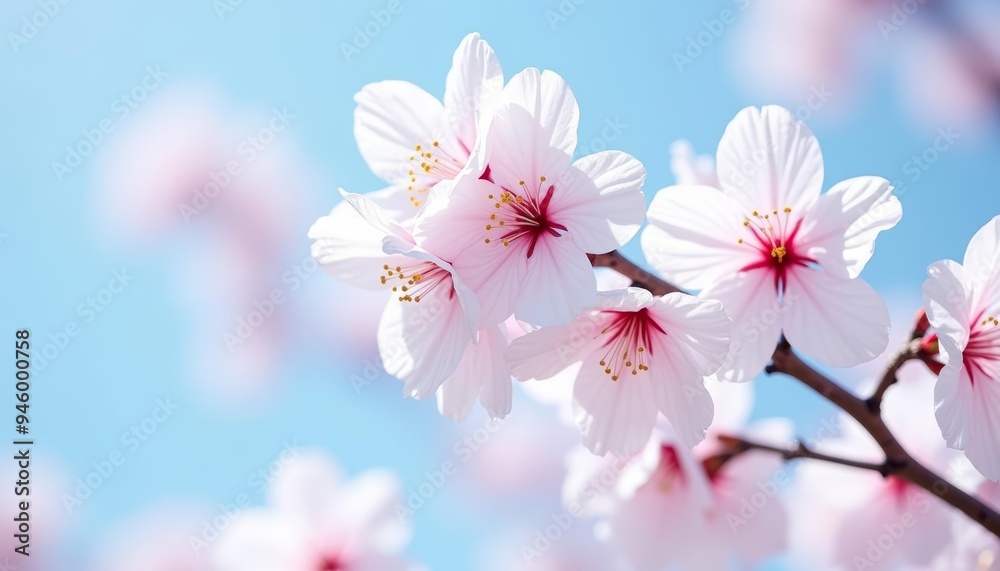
(367, 509)
(307, 488)
(698, 330)
(982, 266)
(349, 248)
(614, 416)
(542, 354)
(751, 300)
(455, 216)
(628, 299)
(519, 150)
(549, 100)
(681, 396)
(599, 199)
(374, 215)
(968, 411)
(391, 119)
(482, 373)
(948, 295)
(261, 541)
(559, 283)
(693, 236)
(841, 323)
(422, 343)
(841, 230)
(769, 160)
(475, 76)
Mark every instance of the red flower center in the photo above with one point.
(522, 216)
(773, 235)
(629, 342)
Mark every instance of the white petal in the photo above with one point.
(948, 296)
(518, 149)
(839, 322)
(841, 228)
(693, 236)
(393, 117)
(307, 487)
(681, 396)
(614, 416)
(692, 170)
(261, 540)
(374, 215)
(422, 343)
(482, 372)
(549, 100)
(751, 300)
(367, 508)
(769, 160)
(542, 354)
(698, 330)
(600, 200)
(559, 283)
(475, 76)
(968, 411)
(349, 248)
(982, 265)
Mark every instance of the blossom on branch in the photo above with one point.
(780, 256)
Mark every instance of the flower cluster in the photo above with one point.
(486, 236)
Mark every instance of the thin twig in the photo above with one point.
(800, 450)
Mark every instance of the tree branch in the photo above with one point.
(908, 352)
(739, 445)
(898, 461)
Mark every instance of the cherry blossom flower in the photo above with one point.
(640, 355)
(427, 335)
(670, 506)
(781, 257)
(413, 141)
(316, 521)
(963, 303)
(518, 225)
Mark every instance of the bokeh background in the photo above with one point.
(217, 72)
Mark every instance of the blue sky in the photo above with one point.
(617, 57)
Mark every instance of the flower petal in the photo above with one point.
(698, 330)
(751, 300)
(948, 298)
(542, 354)
(422, 343)
(968, 411)
(693, 236)
(982, 265)
(845, 221)
(558, 284)
(614, 416)
(601, 200)
(367, 508)
(549, 100)
(769, 160)
(839, 322)
(482, 372)
(475, 76)
(393, 117)
(519, 151)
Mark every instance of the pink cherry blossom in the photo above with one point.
(780, 256)
(427, 335)
(639, 355)
(413, 141)
(518, 226)
(317, 521)
(963, 303)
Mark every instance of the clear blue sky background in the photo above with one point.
(615, 55)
